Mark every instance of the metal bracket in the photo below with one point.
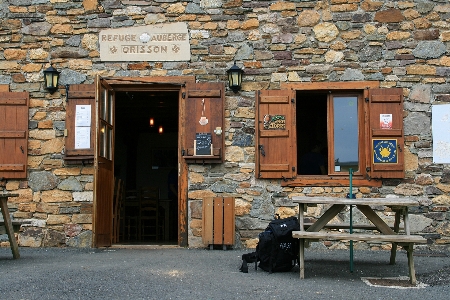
(261, 148)
(67, 92)
(367, 174)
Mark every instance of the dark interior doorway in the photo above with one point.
(312, 133)
(145, 160)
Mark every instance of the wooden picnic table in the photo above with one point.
(8, 224)
(385, 232)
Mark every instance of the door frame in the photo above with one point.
(161, 83)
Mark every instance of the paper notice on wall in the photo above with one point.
(83, 115)
(441, 133)
(83, 126)
(386, 121)
(82, 137)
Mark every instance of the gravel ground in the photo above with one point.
(68, 273)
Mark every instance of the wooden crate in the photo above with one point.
(218, 221)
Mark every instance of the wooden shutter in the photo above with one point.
(386, 142)
(276, 144)
(79, 94)
(203, 101)
(13, 134)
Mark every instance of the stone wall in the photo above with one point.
(399, 43)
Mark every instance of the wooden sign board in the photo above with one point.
(203, 144)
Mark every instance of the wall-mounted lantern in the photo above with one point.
(51, 77)
(235, 78)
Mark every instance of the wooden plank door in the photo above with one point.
(104, 165)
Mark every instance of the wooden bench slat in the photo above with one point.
(404, 201)
(359, 237)
(347, 226)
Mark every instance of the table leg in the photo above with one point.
(301, 254)
(301, 259)
(412, 272)
(375, 219)
(326, 217)
(406, 221)
(394, 245)
(9, 227)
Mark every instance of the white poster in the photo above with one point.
(386, 121)
(82, 137)
(83, 115)
(441, 133)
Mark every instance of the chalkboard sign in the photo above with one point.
(203, 144)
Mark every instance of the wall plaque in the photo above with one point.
(384, 151)
(162, 42)
(272, 122)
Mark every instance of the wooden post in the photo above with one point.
(207, 215)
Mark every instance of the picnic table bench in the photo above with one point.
(8, 223)
(385, 233)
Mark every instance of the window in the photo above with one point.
(317, 133)
(328, 126)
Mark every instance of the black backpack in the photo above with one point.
(277, 250)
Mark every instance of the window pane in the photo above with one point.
(110, 108)
(109, 144)
(103, 141)
(312, 147)
(103, 104)
(345, 112)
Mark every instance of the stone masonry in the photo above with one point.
(402, 44)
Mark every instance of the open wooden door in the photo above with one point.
(104, 165)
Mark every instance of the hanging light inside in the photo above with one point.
(152, 122)
(235, 78)
(51, 77)
(160, 129)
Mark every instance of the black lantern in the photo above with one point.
(235, 78)
(51, 77)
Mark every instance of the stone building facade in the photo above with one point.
(400, 44)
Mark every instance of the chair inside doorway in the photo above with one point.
(151, 214)
(142, 217)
